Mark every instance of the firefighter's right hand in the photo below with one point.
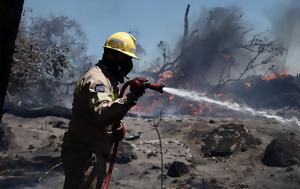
(137, 86)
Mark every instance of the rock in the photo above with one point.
(155, 167)
(133, 137)
(243, 148)
(52, 137)
(146, 172)
(241, 186)
(282, 152)
(227, 139)
(152, 154)
(177, 169)
(211, 121)
(125, 153)
(58, 124)
(289, 169)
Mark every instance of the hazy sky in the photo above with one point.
(153, 20)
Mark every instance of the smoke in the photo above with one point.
(215, 31)
(286, 27)
(220, 47)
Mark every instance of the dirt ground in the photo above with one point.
(37, 141)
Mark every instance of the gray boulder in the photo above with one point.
(177, 169)
(282, 152)
(227, 139)
(125, 153)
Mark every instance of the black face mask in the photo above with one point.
(122, 69)
(119, 69)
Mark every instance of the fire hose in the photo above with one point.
(147, 85)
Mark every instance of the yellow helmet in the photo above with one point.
(123, 42)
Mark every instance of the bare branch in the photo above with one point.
(170, 65)
(156, 122)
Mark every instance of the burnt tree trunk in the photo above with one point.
(186, 26)
(10, 15)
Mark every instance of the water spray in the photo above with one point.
(195, 96)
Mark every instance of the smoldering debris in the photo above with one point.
(276, 93)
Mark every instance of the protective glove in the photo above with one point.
(137, 86)
(120, 132)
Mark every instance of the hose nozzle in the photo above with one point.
(155, 86)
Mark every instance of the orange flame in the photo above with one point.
(166, 75)
(274, 75)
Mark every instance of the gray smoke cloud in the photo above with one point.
(221, 44)
(286, 27)
(212, 34)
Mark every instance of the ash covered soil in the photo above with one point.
(234, 151)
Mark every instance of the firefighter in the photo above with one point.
(97, 110)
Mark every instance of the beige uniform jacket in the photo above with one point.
(96, 107)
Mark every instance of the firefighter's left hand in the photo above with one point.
(120, 132)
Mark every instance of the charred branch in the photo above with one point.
(186, 25)
(261, 48)
(171, 65)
